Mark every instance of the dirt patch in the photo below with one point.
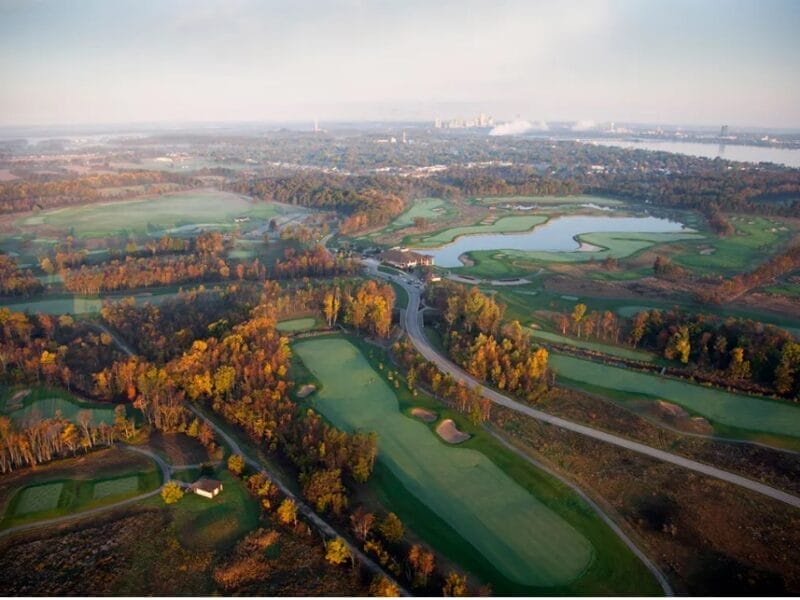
(673, 411)
(423, 415)
(466, 261)
(179, 448)
(306, 390)
(448, 431)
(15, 402)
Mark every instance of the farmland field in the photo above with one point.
(45, 401)
(162, 214)
(735, 411)
(511, 528)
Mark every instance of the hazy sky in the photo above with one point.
(673, 61)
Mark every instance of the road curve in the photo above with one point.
(302, 507)
(165, 476)
(415, 333)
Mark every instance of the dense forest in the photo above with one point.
(16, 282)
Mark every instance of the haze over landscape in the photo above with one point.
(664, 62)
(358, 298)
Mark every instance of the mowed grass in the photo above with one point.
(755, 240)
(83, 305)
(734, 411)
(511, 224)
(506, 263)
(44, 402)
(526, 541)
(162, 213)
(295, 325)
(217, 523)
(38, 498)
(610, 349)
(116, 487)
(549, 200)
(426, 208)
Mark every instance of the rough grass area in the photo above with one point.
(168, 212)
(45, 402)
(737, 411)
(524, 539)
(295, 325)
(512, 224)
(629, 353)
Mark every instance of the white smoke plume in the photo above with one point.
(583, 125)
(518, 126)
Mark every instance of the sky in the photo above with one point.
(693, 62)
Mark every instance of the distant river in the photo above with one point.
(752, 154)
(557, 235)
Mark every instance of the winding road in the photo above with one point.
(413, 327)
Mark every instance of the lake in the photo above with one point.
(557, 235)
(753, 154)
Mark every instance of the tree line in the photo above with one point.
(16, 282)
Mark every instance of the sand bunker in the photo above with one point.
(306, 390)
(672, 410)
(15, 402)
(448, 431)
(423, 415)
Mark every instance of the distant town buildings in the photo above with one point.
(480, 121)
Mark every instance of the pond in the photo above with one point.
(557, 235)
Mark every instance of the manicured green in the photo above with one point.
(629, 353)
(755, 240)
(738, 411)
(45, 401)
(38, 498)
(169, 212)
(523, 538)
(295, 325)
(115, 487)
(512, 224)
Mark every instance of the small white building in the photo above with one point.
(208, 488)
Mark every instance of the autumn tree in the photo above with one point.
(325, 490)
(236, 464)
(382, 587)
(362, 522)
(455, 585)
(391, 528)
(287, 512)
(422, 563)
(337, 552)
(171, 492)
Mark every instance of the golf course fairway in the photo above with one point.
(725, 408)
(525, 540)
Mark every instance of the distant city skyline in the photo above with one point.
(678, 62)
